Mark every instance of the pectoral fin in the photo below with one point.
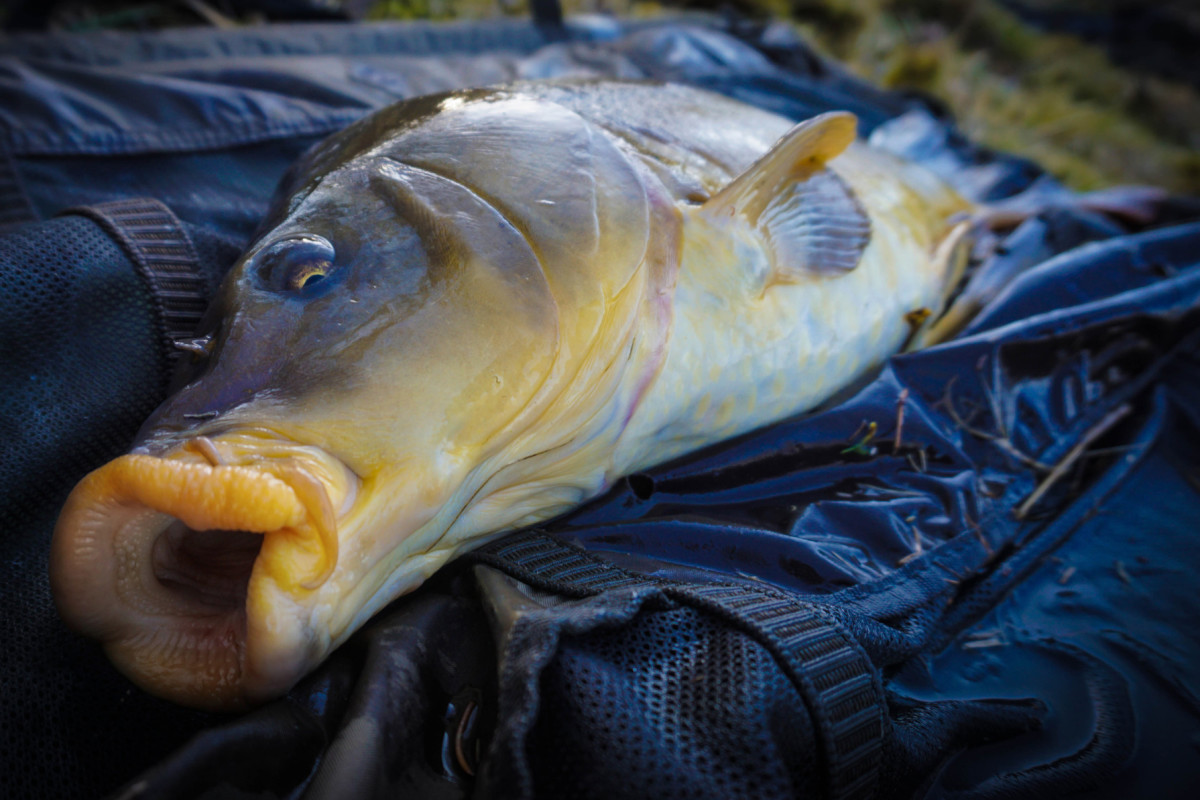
(950, 260)
(809, 216)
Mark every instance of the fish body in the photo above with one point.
(468, 313)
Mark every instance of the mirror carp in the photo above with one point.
(471, 312)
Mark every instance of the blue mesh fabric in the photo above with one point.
(675, 705)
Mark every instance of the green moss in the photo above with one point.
(412, 9)
(838, 20)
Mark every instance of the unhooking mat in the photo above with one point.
(975, 577)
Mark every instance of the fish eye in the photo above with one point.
(295, 263)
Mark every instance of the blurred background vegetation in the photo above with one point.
(1099, 92)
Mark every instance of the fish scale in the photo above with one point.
(770, 351)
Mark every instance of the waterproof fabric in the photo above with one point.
(1002, 567)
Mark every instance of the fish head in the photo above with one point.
(384, 371)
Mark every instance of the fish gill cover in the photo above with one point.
(974, 521)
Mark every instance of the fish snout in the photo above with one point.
(179, 564)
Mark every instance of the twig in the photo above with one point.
(210, 14)
(952, 572)
(1110, 451)
(993, 399)
(1066, 462)
(921, 464)
(977, 644)
(982, 539)
(994, 633)
(952, 410)
(918, 550)
(1000, 441)
(900, 403)
(1004, 444)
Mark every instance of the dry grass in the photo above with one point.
(1051, 98)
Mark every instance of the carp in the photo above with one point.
(471, 312)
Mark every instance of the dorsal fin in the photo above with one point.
(811, 219)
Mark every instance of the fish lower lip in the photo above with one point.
(159, 557)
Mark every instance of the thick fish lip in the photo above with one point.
(197, 570)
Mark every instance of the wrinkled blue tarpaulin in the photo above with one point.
(1008, 565)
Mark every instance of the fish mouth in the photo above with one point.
(200, 570)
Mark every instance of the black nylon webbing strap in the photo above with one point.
(829, 668)
(155, 241)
